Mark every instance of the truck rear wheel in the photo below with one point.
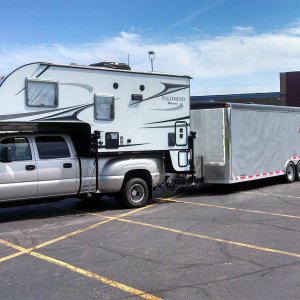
(297, 173)
(135, 193)
(290, 172)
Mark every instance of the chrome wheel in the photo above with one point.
(134, 193)
(290, 172)
(137, 193)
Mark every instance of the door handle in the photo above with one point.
(67, 165)
(30, 167)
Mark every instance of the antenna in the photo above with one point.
(151, 58)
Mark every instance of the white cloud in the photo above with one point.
(232, 63)
(243, 29)
(293, 29)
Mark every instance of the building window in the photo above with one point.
(41, 93)
(104, 107)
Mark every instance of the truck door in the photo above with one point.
(18, 177)
(57, 167)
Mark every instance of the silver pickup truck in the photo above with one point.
(36, 166)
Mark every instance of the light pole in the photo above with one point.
(151, 58)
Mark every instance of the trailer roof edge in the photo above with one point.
(247, 106)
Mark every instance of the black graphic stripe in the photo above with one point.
(159, 127)
(73, 114)
(132, 145)
(81, 85)
(23, 115)
(17, 70)
(40, 74)
(36, 77)
(171, 120)
(122, 146)
(168, 89)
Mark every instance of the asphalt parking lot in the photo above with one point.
(218, 242)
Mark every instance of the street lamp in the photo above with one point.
(151, 58)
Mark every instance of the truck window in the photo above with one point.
(20, 148)
(104, 108)
(52, 147)
(41, 93)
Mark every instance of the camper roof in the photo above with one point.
(97, 67)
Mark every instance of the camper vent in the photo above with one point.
(111, 65)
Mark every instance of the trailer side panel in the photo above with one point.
(263, 142)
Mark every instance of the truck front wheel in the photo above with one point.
(134, 194)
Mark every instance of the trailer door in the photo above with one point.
(18, 178)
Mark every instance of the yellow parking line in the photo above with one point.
(8, 257)
(108, 219)
(83, 272)
(230, 208)
(173, 197)
(60, 238)
(206, 237)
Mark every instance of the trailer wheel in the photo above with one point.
(297, 173)
(290, 172)
(135, 193)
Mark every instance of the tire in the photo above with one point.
(134, 194)
(297, 172)
(290, 172)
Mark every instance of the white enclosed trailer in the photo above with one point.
(243, 142)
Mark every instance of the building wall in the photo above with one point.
(257, 98)
(289, 93)
(290, 88)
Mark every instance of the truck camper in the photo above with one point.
(91, 130)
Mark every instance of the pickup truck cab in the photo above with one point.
(37, 165)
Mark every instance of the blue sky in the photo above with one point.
(227, 46)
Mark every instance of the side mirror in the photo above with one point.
(6, 154)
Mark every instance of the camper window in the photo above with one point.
(40, 93)
(104, 108)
